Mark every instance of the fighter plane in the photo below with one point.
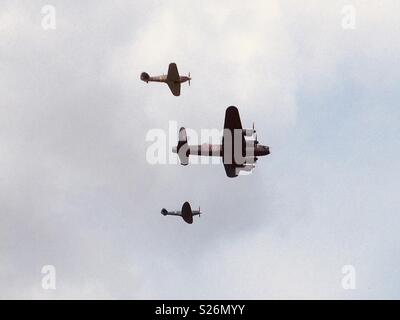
(186, 213)
(238, 154)
(172, 79)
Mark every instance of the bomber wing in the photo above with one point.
(230, 170)
(231, 125)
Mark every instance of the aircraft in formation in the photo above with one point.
(172, 79)
(186, 213)
(239, 149)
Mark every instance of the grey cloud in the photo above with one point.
(77, 192)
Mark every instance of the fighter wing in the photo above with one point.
(173, 74)
(175, 87)
(187, 213)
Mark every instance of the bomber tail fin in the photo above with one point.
(183, 148)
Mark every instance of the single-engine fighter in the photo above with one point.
(186, 213)
(172, 79)
(237, 152)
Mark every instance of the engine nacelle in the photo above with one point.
(250, 159)
(164, 212)
(145, 77)
(249, 132)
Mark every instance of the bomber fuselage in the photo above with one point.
(217, 150)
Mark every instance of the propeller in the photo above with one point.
(255, 139)
(199, 212)
(189, 78)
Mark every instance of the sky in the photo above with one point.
(77, 192)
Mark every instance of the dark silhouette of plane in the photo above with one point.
(172, 79)
(238, 154)
(186, 213)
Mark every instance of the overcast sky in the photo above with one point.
(76, 191)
